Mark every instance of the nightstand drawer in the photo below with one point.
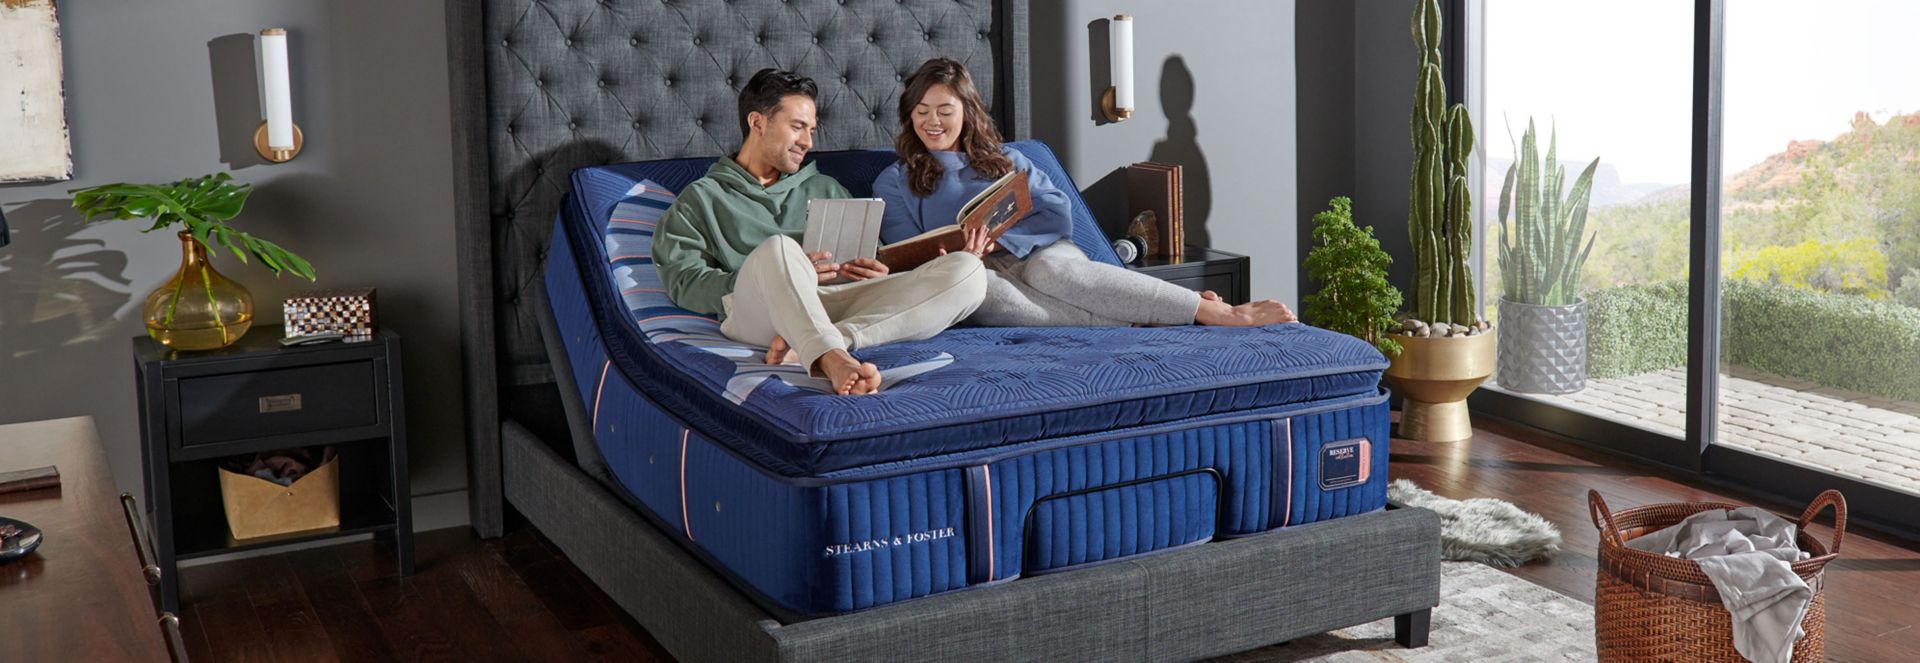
(221, 408)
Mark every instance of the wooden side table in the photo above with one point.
(198, 408)
(80, 595)
(1203, 269)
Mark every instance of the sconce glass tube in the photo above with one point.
(1118, 101)
(278, 139)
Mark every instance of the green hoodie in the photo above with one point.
(720, 218)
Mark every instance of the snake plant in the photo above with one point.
(1541, 254)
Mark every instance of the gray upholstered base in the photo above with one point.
(1204, 601)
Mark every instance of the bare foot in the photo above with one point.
(849, 376)
(1263, 312)
(778, 352)
(1210, 295)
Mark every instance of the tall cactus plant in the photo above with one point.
(1541, 256)
(1440, 219)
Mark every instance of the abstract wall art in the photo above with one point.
(33, 118)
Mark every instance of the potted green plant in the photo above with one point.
(1446, 349)
(1544, 349)
(199, 308)
(1354, 296)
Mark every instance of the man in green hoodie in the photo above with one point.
(729, 245)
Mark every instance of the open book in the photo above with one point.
(997, 208)
(851, 228)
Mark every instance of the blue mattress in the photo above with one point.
(992, 453)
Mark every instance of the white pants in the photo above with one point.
(777, 293)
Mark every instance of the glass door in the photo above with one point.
(1820, 237)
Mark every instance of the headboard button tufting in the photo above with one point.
(760, 38)
(569, 43)
(634, 41)
(696, 41)
(601, 83)
(699, 122)
(929, 35)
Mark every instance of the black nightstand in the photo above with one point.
(197, 408)
(1202, 269)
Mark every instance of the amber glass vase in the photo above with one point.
(198, 309)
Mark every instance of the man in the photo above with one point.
(728, 246)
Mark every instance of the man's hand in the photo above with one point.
(861, 269)
(824, 268)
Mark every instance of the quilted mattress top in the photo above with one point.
(963, 393)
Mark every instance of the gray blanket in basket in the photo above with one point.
(1748, 553)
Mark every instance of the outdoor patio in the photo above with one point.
(1848, 433)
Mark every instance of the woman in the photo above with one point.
(1036, 277)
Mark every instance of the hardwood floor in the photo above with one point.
(1871, 588)
(517, 598)
(508, 599)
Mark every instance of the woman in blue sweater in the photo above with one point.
(1036, 277)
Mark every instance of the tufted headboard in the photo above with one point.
(542, 87)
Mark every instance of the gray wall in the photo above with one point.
(1357, 67)
(158, 90)
(1215, 94)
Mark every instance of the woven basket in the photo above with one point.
(1650, 607)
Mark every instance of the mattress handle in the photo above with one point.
(1027, 521)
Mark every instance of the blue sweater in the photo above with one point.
(908, 215)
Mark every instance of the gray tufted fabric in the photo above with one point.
(572, 83)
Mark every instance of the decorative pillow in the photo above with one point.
(629, 242)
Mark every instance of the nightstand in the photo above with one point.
(197, 408)
(1202, 269)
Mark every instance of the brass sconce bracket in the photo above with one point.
(278, 155)
(1113, 114)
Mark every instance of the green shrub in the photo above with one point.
(1844, 341)
(1636, 329)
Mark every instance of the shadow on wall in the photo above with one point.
(236, 98)
(60, 289)
(1181, 146)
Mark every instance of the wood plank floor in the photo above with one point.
(517, 598)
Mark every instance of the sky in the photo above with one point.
(1616, 77)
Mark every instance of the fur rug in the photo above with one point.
(1489, 531)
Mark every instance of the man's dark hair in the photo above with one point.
(764, 91)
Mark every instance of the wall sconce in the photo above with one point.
(278, 139)
(1118, 101)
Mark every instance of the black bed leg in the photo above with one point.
(1410, 630)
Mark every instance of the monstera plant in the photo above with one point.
(199, 308)
(1544, 349)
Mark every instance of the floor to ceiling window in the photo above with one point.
(1820, 236)
(1586, 98)
(1813, 219)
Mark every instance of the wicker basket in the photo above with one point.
(1650, 607)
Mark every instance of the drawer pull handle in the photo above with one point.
(280, 403)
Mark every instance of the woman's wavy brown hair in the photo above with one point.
(978, 138)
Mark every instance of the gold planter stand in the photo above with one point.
(1434, 376)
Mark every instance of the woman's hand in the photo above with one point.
(977, 242)
(861, 269)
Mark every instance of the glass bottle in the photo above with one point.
(198, 309)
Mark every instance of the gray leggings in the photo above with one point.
(1057, 286)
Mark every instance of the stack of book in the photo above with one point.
(1155, 187)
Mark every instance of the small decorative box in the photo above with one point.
(348, 312)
